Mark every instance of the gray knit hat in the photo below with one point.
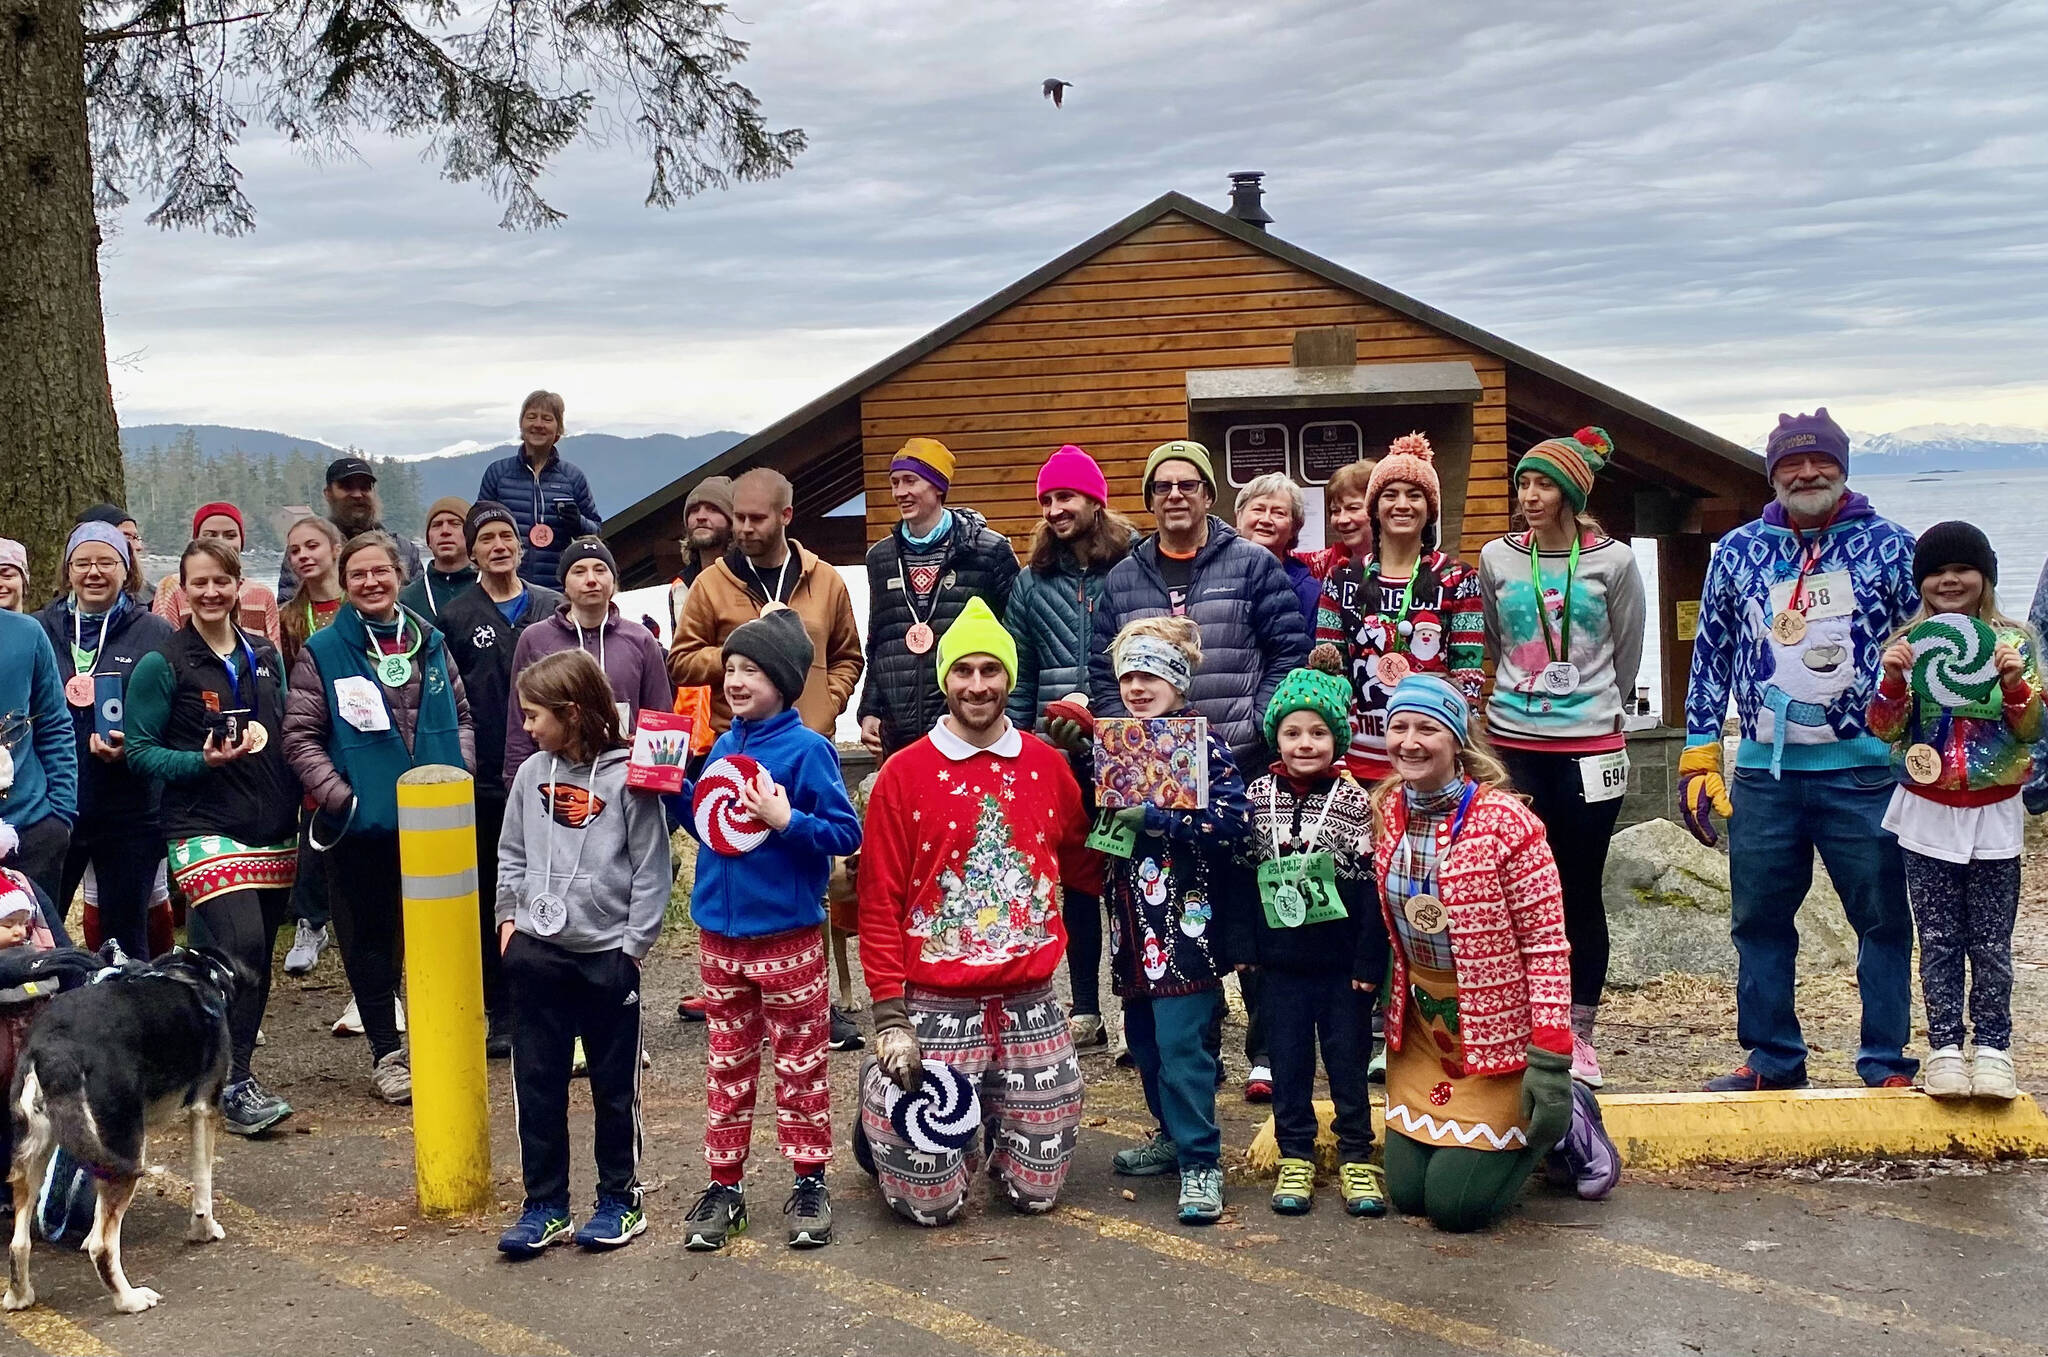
(715, 491)
(780, 645)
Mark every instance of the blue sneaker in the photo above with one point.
(612, 1225)
(536, 1228)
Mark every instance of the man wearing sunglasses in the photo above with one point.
(1236, 592)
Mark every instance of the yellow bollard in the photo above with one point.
(451, 1110)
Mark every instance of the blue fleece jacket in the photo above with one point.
(780, 885)
(35, 727)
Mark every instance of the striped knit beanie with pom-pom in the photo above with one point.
(1571, 462)
(1411, 460)
(1320, 688)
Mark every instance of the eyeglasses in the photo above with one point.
(1185, 489)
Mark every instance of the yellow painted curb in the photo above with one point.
(1673, 1130)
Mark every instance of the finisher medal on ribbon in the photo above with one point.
(394, 671)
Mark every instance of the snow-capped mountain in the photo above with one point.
(1945, 447)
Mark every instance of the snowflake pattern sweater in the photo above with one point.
(1801, 706)
(961, 860)
(1447, 635)
(1164, 899)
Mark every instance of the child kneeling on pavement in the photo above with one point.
(1316, 936)
(1165, 963)
(583, 880)
(758, 901)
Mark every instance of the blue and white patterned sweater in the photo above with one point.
(1801, 706)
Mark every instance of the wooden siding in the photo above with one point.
(1098, 355)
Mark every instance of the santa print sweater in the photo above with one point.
(962, 858)
(1501, 889)
(1447, 636)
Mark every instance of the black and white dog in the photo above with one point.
(104, 1066)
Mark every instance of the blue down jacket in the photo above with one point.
(1251, 625)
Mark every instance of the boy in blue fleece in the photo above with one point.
(760, 952)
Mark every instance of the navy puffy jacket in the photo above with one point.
(1052, 618)
(531, 498)
(1252, 633)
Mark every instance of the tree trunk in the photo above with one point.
(62, 446)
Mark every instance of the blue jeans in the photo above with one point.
(1778, 823)
(1167, 1040)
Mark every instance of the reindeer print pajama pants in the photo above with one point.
(778, 983)
(1017, 1047)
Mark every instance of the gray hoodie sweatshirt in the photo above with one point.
(575, 834)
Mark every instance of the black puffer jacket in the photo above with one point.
(1251, 625)
(481, 642)
(903, 688)
(107, 792)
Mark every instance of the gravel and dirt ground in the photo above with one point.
(325, 1254)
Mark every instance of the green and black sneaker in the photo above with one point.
(720, 1211)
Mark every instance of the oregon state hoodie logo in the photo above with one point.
(572, 807)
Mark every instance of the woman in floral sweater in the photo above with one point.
(1478, 1016)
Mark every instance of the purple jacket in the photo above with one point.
(632, 659)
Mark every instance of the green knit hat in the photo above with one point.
(1183, 450)
(1318, 689)
(1570, 462)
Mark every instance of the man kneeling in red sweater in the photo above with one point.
(970, 834)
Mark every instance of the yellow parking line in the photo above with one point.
(309, 1250)
(906, 1307)
(1413, 1318)
(1952, 1337)
(52, 1333)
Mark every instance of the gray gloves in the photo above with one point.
(896, 1048)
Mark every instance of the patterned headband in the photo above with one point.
(1150, 655)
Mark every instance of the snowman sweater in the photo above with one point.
(961, 862)
(1164, 899)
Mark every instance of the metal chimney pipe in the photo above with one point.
(1247, 198)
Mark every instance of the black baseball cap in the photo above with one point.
(341, 468)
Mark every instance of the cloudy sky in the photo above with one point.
(1726, 208)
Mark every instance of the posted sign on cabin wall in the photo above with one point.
(1254, 450)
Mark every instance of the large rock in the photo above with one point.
(1667, 909)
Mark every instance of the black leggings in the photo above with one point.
(124, 854)
(363, 890)
(244, 924)
(1083, 916)
(1579, 835)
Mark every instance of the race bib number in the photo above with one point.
(1603, 777)
(1828, 595)
(1299, 889)
(358, 702)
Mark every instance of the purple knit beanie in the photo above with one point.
(1806, 433)
(1072, 469)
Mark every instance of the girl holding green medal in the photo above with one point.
(1564, 622)
(1317, 937)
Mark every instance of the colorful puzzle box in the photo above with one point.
(1152, 761)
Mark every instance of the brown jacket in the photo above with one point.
(719, 602)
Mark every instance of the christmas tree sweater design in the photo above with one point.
(961, 863)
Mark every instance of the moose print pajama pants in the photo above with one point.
(1017, 1047)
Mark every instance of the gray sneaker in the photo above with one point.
(809, 1212)
(720, 1211)
(308, 943)
(392, 1078)
(1201, 1195)
(1156, 1156)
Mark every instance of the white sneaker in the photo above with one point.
(307, 945)
(350, 1023)
(1086, 1029)
(1945, 1075)
(391, 1078)
(1991, 1075)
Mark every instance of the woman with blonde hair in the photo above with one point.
(1479, 1086)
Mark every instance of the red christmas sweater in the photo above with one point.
(961, 861)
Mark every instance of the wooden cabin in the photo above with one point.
(1184, 321)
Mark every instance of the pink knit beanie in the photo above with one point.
(1409, 459)
(1072, 469)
